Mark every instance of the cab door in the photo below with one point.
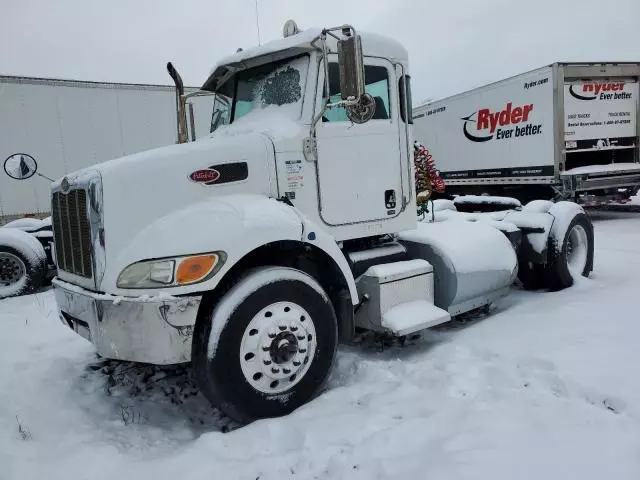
(359, 165)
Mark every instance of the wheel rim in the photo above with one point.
(12, 269)
(577, 250)
(277, 347)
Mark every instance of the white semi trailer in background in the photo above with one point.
(564, 131)
(52, 127)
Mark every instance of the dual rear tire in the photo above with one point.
(569, 251)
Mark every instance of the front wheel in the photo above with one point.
(267, 346)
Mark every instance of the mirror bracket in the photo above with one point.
(352, 89)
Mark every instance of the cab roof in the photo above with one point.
(373, 45)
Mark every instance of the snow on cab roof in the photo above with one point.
(372, 45)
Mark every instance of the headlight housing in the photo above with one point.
(171, 272)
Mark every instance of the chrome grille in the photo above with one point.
(72, 232)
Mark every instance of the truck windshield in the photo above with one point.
(274, 87)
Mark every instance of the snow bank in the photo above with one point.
(546, 387)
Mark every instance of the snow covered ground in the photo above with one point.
(546, 387)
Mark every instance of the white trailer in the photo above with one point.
(567, 130)
(252, 252)
(51, 127)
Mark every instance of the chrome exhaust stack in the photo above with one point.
(180, 103)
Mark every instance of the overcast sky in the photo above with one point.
(453, 45)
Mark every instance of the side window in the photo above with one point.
(376, 81)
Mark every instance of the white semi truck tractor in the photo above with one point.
(254, 251)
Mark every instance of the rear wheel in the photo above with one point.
(570, 249)
(268, 345)
(531, 275)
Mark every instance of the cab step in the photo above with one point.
(410, 317)
(397, 298)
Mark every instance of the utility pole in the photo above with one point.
(258, 23)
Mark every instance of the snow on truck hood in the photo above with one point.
(255, 127)
(139, 189)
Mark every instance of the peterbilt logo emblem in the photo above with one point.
(65, 185)
(205, 175)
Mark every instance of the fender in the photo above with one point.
(235, 224)
(313, 234)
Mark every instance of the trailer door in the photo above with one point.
(600, 124)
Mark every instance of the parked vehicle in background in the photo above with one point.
(26, 256)
(563, 131)
(51, 127)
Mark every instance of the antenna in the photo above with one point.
(258, 23)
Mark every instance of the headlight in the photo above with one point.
(171, 272)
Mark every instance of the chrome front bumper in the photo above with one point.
(155, 330)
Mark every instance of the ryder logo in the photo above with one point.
(490, 124)
(602, 91)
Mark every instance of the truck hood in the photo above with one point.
(139, 189)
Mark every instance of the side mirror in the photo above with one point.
(351, 66)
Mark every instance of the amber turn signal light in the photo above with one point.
(194, 269)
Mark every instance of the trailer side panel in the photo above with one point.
(501, 133)
(49, 128)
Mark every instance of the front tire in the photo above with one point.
(267, 346)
